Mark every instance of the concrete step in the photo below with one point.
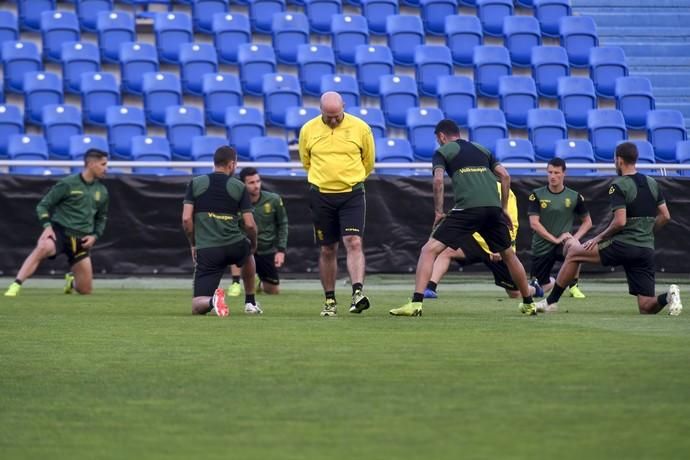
(651, 49)
(683, 107)
(656, 4)
(672, 93)
(665, 79)
(643, 19)
(642, 34)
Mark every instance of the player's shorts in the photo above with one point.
(212, 263)
(490, 222)
(68, 245)
(638, 263)
(475, 254)
(337, 214)
(266, 268)
(542, 265)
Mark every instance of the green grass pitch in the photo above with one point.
(130, 374)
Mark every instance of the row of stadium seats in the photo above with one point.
(290, 29)
(316, 19)
(545, 127)
(275, 149)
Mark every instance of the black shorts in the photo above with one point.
(543, 265)
(475, 254)
(212, 263)
(266, 268)
(68, 245)
(489, 222)
(637, 262)
(337, 214)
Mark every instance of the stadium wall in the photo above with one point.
(144, 234)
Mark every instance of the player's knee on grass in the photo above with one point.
(270, 288)
(647, 305)
(513, 294)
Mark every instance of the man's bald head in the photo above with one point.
(332, 107)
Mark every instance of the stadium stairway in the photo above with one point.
(655, 35)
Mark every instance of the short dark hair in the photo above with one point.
(248, 171)
(447, 127)
(94, 155)
(224, 155)
(628, 152)
(557, 163)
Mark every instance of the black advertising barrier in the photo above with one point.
(144, 234)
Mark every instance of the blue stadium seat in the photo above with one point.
(30, 12)
(373, 61)
(124, 123)
(606, 129)
(545, 127)
(150, 148)
(88, 10)
(463, 33)
(243, 124)
(261, 14)
(434, 13)
(203, 12)
(421, 122)
(172, 30)
(27, 147)
(486, 126)
(373, 116)
(136, 60)
(204, 147)
(575, 151)
(665, 128)
(549, 63)
(296, 117)
(320, 13)
(576, 97)
(58, 27)
(491, 14)
(255, 61)
(376, 12)
(517, 95)
(314, 63)
(456, 95)
(549, 13)
(269, 149)
(221, 90)
(11, 123)
(525, 3)
(99, 90)
(2, 93)
(345, 85)
(60, 122)
(280, 92)
(40, 89)
(114, 29)
(578, 36)
(78, 58)
(196, 60)
(634, 98)
(520, 35)
(404, 32)
(490, 64)
(9, 29)
(230, 31)
(432, 62)
(398, 93)
(290, 30)
(348, 32)
(515, 151)
(19, 58)
(160, 91)
(683, 152)
(182, 123)
(606, 64)
(390, 150)
(79, 144)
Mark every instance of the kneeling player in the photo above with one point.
(209, 218)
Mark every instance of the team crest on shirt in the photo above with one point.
(532, 197)
(97, 195)
(267, 208)
(544, 204)
(568, 202)
(612, 189)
